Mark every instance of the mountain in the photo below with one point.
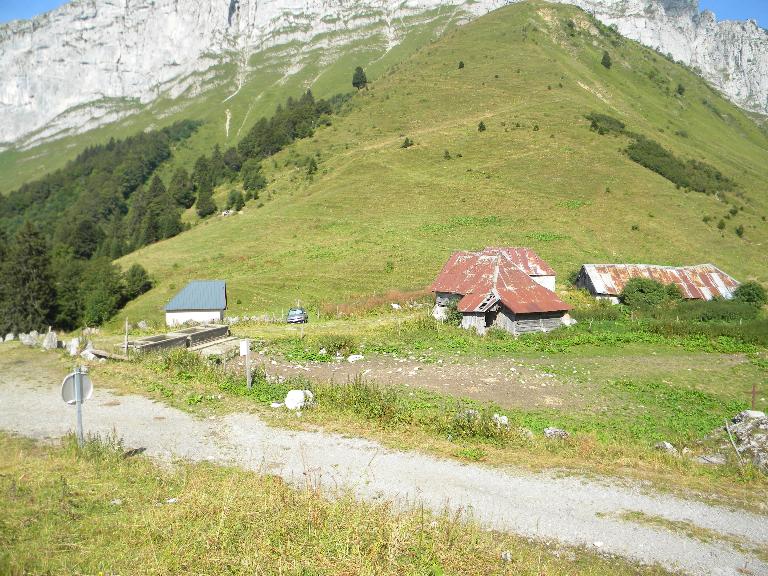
(377, 215)
(731, 55)
(90, 63)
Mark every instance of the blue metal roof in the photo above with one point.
(200, 295)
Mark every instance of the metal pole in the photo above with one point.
(79, 402)
(248, 376)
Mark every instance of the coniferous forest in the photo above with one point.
(60, 234)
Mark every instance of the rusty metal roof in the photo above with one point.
(491, 276)
(700, 282)
(524, 258)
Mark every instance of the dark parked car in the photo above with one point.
(297, 316)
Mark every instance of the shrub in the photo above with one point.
(680, 89)
(721, 224)
(606, 61)
(740, 230)
(481, 126)
(604, 124)
(407, 143)
(452, 314)
(447, 155)
(692, 174)
(461, 64)
(714, 311)
(751, 293)
(641, 293)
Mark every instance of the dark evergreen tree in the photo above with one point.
(253, 179)
(461, 64)
(359, 79)
(235, 200)
(232, 161)
(481, 126)
(102, 292)
(311, 167)
(27, 291)
(606, 61)
(205, 204)
(69, 275)
(136, 281)
(181, 188)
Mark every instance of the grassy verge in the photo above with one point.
(617, 440)
(96, 511)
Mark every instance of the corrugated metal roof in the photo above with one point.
(493, 275)
(524, 258)
(200, 295)
(700, 282)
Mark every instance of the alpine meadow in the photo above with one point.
(377, 217)
(403, 289)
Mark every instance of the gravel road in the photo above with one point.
(573, 510)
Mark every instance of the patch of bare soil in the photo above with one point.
(506, 381)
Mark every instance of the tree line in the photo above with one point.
(60, 233)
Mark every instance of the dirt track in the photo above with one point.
(573, 510)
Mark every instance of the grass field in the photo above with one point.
(62, 509)
(622, 391)
(378, 217)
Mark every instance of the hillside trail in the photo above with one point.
(572, 510)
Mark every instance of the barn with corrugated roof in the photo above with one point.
(507, 288)
(699, 282)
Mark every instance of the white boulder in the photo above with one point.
(10, 336)
(50, 341)
(298, 399)
(354, 358)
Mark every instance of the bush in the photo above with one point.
(713, 311)
(604, 124)
(642, 293)
(481, 126)
(461, 64)
(452, 314)
(606, 61)
(751, 293)
(740, 230)
(692, 174)
(407, 143)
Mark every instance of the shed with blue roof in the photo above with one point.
(200, 302)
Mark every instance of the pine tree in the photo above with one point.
(136, 281)
(359, 79)
(606, 61)
(205, 204)
(102, 292)
(27, 291)
(311, 167)
(481, 126)
(461, 64)
(253, 179)
(182, 189)
(235, 200)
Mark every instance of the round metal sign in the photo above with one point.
(68, 388)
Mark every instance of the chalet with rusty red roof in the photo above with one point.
(699, 282)
(507, 288)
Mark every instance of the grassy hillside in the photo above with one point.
(325, 65)
(379, 217)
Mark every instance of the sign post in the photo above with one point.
(245, 350)
(76, 389)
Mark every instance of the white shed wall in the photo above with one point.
(197, 316)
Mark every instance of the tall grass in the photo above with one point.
(63, 513)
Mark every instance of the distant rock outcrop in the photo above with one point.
(91, 62)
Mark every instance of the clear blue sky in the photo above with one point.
(725, 9)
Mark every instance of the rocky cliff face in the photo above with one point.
(94, 61)
(732, 56)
